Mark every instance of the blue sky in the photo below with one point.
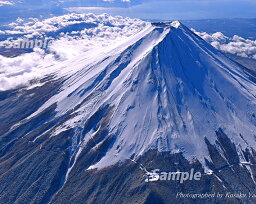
(170, 9)
(148, 9)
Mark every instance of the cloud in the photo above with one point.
(104, 31)
(2, 3)
(235, 45)
(21, 70)
(76, 35)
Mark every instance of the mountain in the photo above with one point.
(162, 99)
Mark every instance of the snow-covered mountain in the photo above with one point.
(161, 91)
(165, 88)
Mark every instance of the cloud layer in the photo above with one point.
(235, 45)
(72, 35)
(76, 34)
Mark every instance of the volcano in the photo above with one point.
(163, 99)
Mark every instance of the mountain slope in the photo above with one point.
(164, 90)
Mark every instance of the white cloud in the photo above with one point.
(20, 70)
(234, 45)
(108, 31)
(2, 3)
(66, 46)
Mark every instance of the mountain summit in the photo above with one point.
(164, 90)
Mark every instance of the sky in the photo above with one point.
(171, 9)
(151, 9)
